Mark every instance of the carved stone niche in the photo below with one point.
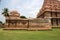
(47, 14)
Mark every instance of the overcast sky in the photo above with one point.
(28, 8)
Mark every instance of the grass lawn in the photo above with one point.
(30, 35)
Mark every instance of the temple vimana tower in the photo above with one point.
(51, 9)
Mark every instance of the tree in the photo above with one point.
(22, 17)
(0, 22)
(5, 12)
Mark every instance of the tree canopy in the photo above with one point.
(0, 22)
(5, 12)
(22, 17)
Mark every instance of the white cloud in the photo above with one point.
(13, 2)
(29, 5)
(26, 7)
(32, 7)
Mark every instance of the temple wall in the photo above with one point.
(33, 24)
(41, 23)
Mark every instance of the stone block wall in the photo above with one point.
(34, 24)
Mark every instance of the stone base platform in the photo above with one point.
(30, 29)
(14, 28)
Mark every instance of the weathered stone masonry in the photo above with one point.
(51, 9)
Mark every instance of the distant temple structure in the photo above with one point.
(51, 9)
(13, 19)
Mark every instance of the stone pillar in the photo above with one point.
(58, 22)
(54, 22)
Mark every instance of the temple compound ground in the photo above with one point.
(48, 17)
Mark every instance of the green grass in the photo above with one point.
(30, 35)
